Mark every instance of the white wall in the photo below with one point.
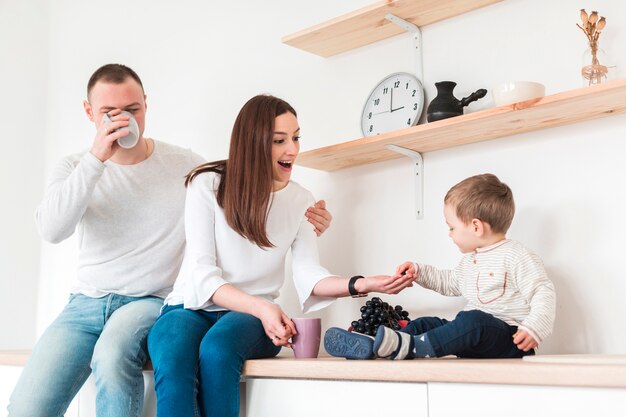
(23, 72)
(200, 61)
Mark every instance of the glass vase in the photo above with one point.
(595, 69)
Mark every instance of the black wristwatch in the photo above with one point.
(353, 292)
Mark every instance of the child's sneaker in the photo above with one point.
(349, 345)
(393, 345)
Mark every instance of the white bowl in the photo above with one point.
(514, 92)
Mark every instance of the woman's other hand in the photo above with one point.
(278, 327)
(319, 217)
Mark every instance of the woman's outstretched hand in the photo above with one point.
(384, 283)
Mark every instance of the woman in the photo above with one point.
(242, 216)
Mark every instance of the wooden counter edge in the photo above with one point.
(483, 371)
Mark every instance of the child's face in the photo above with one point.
(463, 235)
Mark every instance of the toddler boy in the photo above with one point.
(510, 299)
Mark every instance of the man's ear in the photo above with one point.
(88, 110)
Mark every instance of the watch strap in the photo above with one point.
(352, 290)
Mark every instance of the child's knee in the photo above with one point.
(475, 318)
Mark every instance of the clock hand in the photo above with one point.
(391, 102)
(381, 112)
(399, 108)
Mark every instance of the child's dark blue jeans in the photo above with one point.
(472, 334)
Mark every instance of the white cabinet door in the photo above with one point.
(309, 398)
(487, 400)
(87, 397)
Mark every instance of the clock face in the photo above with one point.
(395, 103)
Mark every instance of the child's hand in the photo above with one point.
(524, 341)
(407, 269)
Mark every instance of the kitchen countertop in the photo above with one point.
(608, 371)
(13, 357)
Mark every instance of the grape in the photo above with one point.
(377, 312)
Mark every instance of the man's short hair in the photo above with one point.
(483, 197)
(112, 73)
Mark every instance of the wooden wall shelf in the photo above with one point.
(559, 109)
(368, 25)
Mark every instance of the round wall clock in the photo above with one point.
(395, 103)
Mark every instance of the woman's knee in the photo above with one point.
(219, 351)
(174, 340)
(165, 352)
(160, 332)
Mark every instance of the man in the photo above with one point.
(127, 207)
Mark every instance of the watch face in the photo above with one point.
(395, 103)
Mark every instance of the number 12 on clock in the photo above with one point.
(395, 103)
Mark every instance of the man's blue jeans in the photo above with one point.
(198, 356)
(472, 334)
(107, 335)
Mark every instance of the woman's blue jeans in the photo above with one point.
(198, 356)
(472, 334)
(105, 335)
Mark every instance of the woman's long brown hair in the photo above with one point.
(246, 180)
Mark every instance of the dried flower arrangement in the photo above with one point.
(592, 26)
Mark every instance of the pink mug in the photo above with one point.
(306, 344)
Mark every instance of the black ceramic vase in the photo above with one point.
(446, 105)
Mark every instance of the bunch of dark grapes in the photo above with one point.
(376, 312)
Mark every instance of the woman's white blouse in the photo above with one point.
(216, 255)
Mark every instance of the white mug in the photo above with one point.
(129, 141)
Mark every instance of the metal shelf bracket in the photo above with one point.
(416, 34)
(418, 171)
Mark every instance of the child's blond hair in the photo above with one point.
(483, 197)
